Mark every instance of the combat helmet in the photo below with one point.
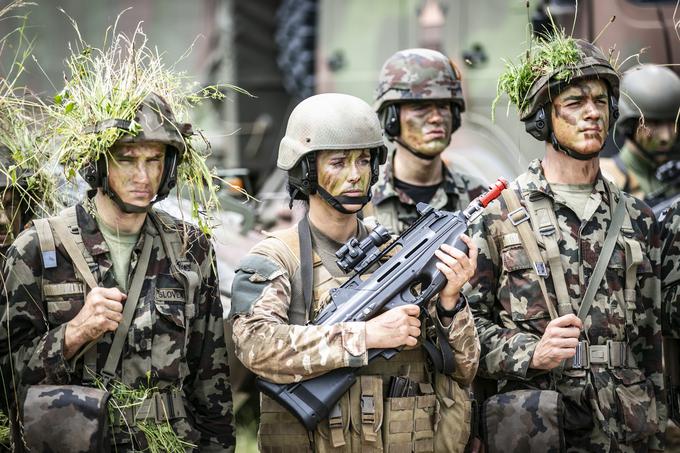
(156, 123)
(590, 64)
(16, 176)
(329, 121)
(414, 75)
(650, 92)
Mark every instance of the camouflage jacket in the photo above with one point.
(396, 210)
(171, 344)
(301, 351)
(511, 314)
(637, 177)
(670, 270)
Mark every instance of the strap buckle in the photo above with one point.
(367, 409)
(519, 211)
(335, 417)
(581, 359)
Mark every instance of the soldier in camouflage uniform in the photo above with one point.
(337, 140)
(649, 107)
(175, 341)
(605, 364)
(419, 100)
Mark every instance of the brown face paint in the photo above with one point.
(656, 136)
(580, 116)
(426, 126)
(344, 172)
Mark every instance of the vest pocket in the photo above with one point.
(453, 423)
(519, 284)
(280, 431)
(64, 301)
(366, 407)
(409, 424)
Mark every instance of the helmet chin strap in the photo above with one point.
(125, 207)
(570, 152)
(337, 202)
(414, 152)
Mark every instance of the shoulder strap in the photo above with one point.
(73, 251)
(518, 216)
(48, 251)
(109, 370)
(306, 263)
(605, 255)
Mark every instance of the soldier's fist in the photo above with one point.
(458, 268)
(558, 342)
(395, 328)
(101, 313)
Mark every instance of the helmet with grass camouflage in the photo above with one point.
(10, 172)
(593, 64)
(154, 122)
(651, 92)
(329, 121)
(413, 75)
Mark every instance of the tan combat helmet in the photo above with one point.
(415, 75)
(329, 121)
(156, 123)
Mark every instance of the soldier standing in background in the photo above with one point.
(419, 100)
(331, 151)
(575, 346)
(650, 101)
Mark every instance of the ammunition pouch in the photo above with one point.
(66, 418)
(524, 420)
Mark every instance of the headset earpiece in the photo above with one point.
(391, 122)
(537, 125)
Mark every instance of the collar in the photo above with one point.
(384, 189)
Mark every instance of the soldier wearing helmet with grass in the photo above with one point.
(648, 164)
(566, 295)
(331, 151)
(113, 317)
(419, 99)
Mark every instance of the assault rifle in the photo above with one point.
(408, 277)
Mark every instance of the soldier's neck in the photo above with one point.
(109, 213)
(562, 169)
(332, 223)
(416, 171)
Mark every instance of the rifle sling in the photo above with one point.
(306, 264)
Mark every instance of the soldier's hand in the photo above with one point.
(395, 328)
(101, 313)
(558, 342)
(458, 268)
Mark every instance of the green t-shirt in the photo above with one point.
(120, 247)
(575, 196)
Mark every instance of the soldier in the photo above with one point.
(569, 321)
(649, 108)
(419, 100)
(172, 333)
(331, 151)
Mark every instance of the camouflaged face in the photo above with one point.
(418, 75)
(66, 418)
(180, 345)
(395, 210)
(511, 314)
(593, 64)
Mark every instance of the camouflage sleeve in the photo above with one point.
(207, 387)
(670, 272)
(37, 352)
(647, 348)
(272, 348)
(464, 341)
(506, 351)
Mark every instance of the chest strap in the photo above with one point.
(613, 354)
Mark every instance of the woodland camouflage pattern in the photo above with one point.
(511, 315)
(265, 312)
(417, 74)
(395, 210)
(181, 345)
(670, 270)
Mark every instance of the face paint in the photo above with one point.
(657, 138)
(426, 126)
(135, 171)
(580, 116)
(345, 173)
(10, 217)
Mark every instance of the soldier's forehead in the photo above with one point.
(332, 153)
(595, 87)
(142, 149)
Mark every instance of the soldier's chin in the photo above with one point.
(434, 148)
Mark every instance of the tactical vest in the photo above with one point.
(540, 213)
(365, 420)
(184, 270)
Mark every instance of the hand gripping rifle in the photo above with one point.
(408, 277)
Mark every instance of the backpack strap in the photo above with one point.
(48, 251)
(518, 216)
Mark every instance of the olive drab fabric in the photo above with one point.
(395, 210)
(272, 340)
(621, 387)
(593, 64)
(175, 341)
(414, 75)
(323, 122)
